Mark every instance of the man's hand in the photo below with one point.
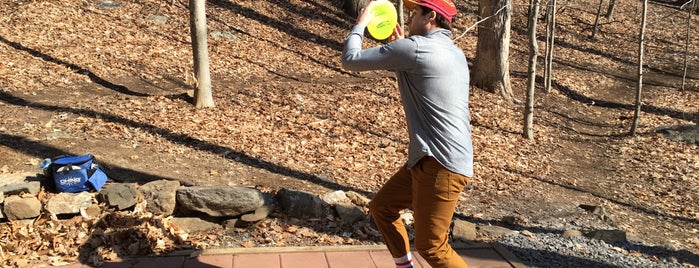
(366, 14)
(397, 33)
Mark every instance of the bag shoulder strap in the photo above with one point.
(73, 159)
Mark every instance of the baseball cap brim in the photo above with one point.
(410, 5)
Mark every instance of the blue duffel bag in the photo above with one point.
(74, 173)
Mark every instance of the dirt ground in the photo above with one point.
(106, 77)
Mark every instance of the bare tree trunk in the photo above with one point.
(550, 41)
(197, 26)
(610, 10)
(401, 19)
(352, 7)
(491, 67)
(533, 47)
(686, 46)
(641, 37)
(599, 14)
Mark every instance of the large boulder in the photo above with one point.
(220, 201)
(160, 196)
(299, 204)
(120, 195)
(21, 208)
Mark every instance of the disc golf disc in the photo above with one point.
(385, 20)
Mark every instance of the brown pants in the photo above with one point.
(432, 191)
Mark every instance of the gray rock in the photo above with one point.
(527, 233)
(31, 187)
(464, 231)
(20, 208)
(217, 201)
(54, 135)
(609, 236)
(599, 211)
(160, 196)
(685, 133)
(108, 4)
(571, 233)
(358, 199)
(509, 219)
(349, 213)
(494, 231)
(223, 34)
(336, 197)
(158, 19)
(261, 212)
(20, 177)
(299, 204)
(69, 203)
(120, 195)
(231, 224)
(91, 212)
(194, 224)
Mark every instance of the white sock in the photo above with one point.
(404, 262)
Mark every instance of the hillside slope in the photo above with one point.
(110, 78)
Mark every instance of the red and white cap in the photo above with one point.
(446, 8)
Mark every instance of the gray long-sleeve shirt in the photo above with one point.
(433, 80)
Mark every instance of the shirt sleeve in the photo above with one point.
(394, 56)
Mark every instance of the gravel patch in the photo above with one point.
(549, 249)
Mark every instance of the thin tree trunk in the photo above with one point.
(599, 14)
(550, 41)
(547, 45)
(401, 17)
(533, 47)
(686, 44)
(641, 37)
(610, 10)
(197, 25)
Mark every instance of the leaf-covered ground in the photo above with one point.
(106, 77)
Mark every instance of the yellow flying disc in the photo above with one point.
(385, 20)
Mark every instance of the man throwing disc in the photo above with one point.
(433, 80)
